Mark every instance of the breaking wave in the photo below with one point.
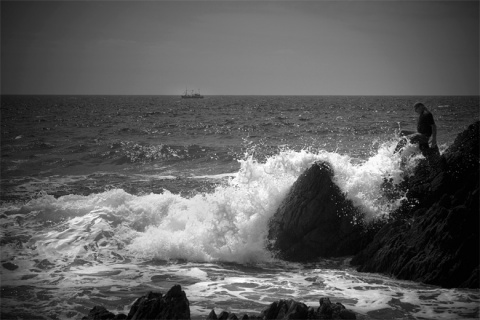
(228, 223)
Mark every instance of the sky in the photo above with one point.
(240, 47)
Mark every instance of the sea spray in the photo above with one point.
(362, 182)
(229, 223)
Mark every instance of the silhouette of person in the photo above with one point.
(426, 132)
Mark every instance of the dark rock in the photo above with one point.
(347, 314)
(212, 315)
(174, 305)
(458, 164)
(146, 307)
(223, 315)
(286, 309)
(329, 310)
(9, 266)
(316, 219)
(434, 238)
(232, 316)
(99, 313)
(226, 315)
(291, 309)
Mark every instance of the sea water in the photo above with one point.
(105, 198)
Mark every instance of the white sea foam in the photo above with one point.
(227, 224)
(231, 223)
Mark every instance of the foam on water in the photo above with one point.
(228, 224)
(375, 296)
(231, 223)
(114, 241)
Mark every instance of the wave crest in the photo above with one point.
(228, 223)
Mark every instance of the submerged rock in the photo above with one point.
(434, 237)
(9, 266)
(316, 220)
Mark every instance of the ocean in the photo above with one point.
(105, 198)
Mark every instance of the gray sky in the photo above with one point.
(240, 47)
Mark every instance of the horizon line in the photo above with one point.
(246, 95)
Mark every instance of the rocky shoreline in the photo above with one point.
(174, 305)
(432, 238)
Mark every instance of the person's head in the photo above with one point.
(419, 107)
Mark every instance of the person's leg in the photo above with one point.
(432, 155)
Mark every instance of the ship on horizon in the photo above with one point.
(192, 95)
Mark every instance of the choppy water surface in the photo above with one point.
(104, 198)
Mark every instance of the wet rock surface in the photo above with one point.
(154, 305)
(434, 237)
(316, 220)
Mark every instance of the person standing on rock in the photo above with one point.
(426, 132)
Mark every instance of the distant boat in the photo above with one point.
(192, 95)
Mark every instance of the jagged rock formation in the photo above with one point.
(315, 219)
(154, 305)
(434, 237)
(175, 305)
